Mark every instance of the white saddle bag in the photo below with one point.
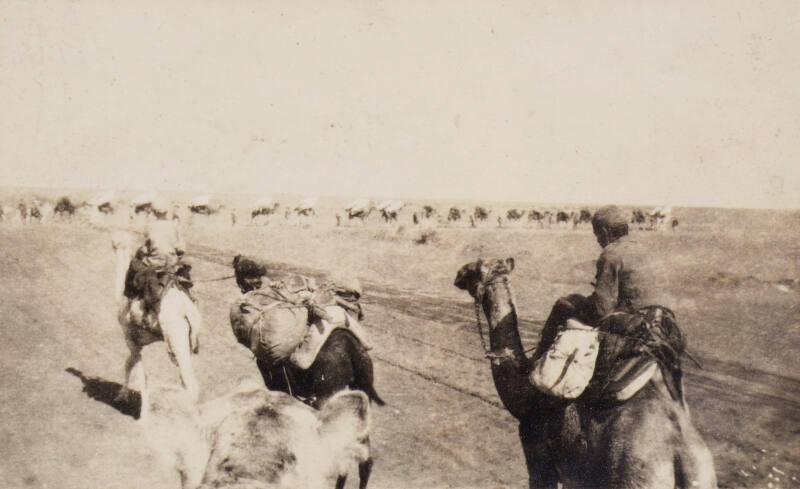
(567, 367)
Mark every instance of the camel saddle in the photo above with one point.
(615, 360)
(633, 346)
(148, 278)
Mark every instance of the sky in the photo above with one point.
(628, 102)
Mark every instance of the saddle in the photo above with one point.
(632, 347)
(616, 359)
(320, 311)
(148, 278)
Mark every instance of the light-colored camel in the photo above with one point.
(648, 442)
(257, 439)
(178, 323)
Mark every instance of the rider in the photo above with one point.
(628, 288)
(628, 279)
(160, 256)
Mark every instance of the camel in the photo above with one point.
(481, 213)
(359, 209)
(342, 363)
(204, 206)
(638, 217)
(178, 324)
(647, 442)
(454, 214)
(514, 214)
(264, 207)
(390, 209)
(257, 439)
(536, 216)
(64, 208)
(304, 208)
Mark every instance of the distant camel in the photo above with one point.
(646, 442)
(305, 208)
(481, 213)
(390, 209)
(264, 210)
(585, 216)
(638, 217)
(178, 323)
(359, 209)
(564, 217)
(252, 438)
(454, 214)
(514, 214)
(537, 217)
(204, 209)
(64, 207)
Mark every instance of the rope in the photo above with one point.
(480, 328)
(226, 277)
(288, 384)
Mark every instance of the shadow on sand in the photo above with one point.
(106, 392)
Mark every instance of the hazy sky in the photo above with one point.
(673, 102)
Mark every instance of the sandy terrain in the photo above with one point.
(734, 275)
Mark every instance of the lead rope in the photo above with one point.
(480, 328)
(288, 384)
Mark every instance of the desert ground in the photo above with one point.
(735, 276)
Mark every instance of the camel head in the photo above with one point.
(473, 276)
(252, 437)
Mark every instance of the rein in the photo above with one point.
(226, 277)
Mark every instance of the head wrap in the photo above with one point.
(609, 216)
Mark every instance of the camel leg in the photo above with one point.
(176, 335)
(694, 466)
(134, 370)
(364, 471)
(542, 473)
(195, 325)
(177, 310)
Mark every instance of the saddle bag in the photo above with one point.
(566, 369)
(271, 340)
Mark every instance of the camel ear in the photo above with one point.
(510, 264)
(344, 418)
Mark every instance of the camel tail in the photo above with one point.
(373, 396)
(364, 378)
(121, 242)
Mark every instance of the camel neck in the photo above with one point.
(501, 314)
(510, 366)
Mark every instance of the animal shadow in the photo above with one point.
(106, 392)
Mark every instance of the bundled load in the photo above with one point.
(276, 318)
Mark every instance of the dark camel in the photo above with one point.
(342, 363)
(648, 442)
